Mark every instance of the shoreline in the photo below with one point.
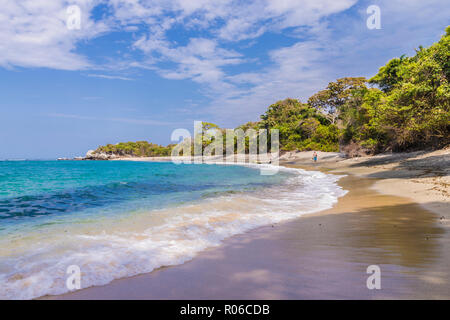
(423, 177)
(393, 178)
(357, 207)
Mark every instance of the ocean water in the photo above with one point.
(116, 219)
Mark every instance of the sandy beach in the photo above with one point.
(396, 215)
(225, 150)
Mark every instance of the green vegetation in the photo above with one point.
(412, 110)
(301, 126)
(405, 106)
(136, 149)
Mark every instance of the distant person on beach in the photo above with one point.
(315, 156)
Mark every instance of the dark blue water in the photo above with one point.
(30, 189)
(115, 219)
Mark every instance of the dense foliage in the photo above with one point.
(413, 108)
(301, 126)
(406, 105)
(135, 149)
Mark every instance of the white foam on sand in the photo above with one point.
(35, 266)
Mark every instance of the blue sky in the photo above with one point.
(136, 70)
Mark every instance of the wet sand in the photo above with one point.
(320, 256)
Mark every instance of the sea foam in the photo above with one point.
(118, 247)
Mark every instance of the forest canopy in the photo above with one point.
(405, 106)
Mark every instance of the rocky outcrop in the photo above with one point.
(92, 155)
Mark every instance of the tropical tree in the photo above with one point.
(331, 100)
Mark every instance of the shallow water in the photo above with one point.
(118, 219)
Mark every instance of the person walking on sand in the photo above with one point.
(315, 156)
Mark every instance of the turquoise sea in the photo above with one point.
(115, 219)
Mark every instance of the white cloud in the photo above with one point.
(296, 71)
(200, 60)
(34, 34)
(345, 48)
(252, 20)
(109, 77)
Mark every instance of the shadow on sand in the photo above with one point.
(318, 257)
